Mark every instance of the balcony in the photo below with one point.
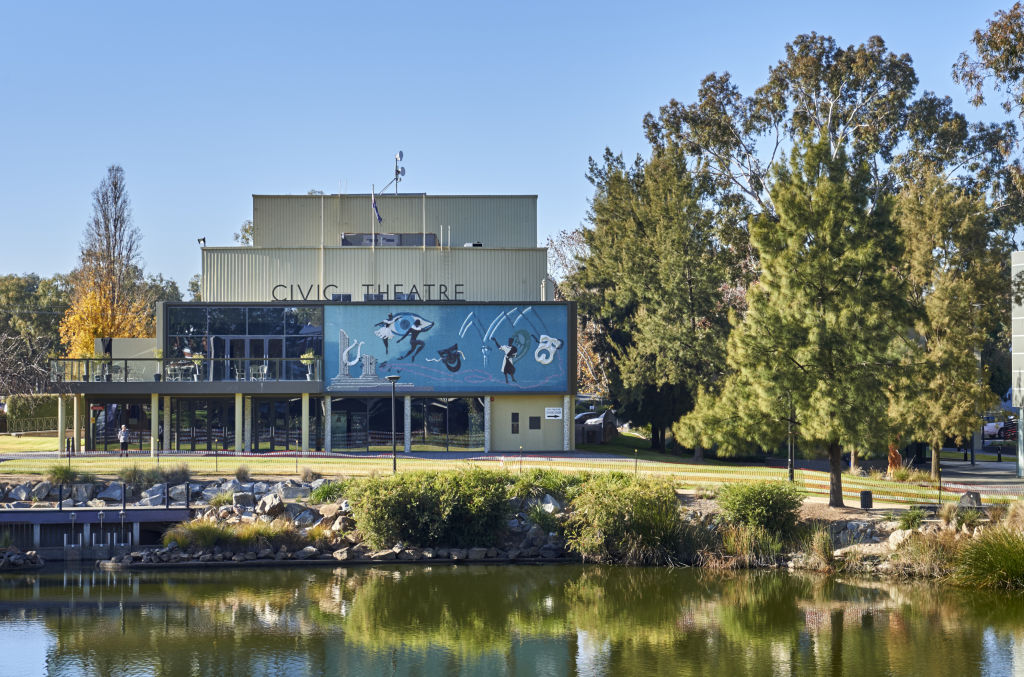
(205, 371)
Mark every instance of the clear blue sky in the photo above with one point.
(204, 105)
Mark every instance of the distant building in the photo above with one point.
(291, 346)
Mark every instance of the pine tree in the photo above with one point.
(815, 342)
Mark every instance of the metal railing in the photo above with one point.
(181, 369)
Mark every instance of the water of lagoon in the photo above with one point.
(499, 620)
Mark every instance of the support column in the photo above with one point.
(1020, 446)
(135, 534)
(61, 430)
(239, 430)
(327, 423)
(76, 425)
(305, 423)
(566, 427)
(167, 424)
(247, 423)
(86, 534)
(37, 535)
(154, 423)
(487, 424)
(407, 425)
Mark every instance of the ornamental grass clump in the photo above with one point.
(328, 492)
(621, 519)
(912, 518)
(773, 506)
(61, 474)
(539, 481)
(749, 545)
(993, 559)
(222, 499)
(197, 534)
(428, 509)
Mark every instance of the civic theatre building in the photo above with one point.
(294, 342)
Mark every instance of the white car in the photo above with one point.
(993, 429)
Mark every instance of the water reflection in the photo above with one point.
(492, 620)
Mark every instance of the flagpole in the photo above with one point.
(373, 218)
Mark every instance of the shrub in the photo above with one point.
(930, 555)
(769, 505)
(223, 498)
(178, 474)
(198, 534)
(539, 481)
(820, 548)
(968, 517)
(542, 518)
(751, 545)
(320, 536)
(328, 492)
(618, 518)
(309, 475)
(132, 475)
(947, 513)
(242, 473)
(151, 476)
(992, 559)
(463, 508)
(706, 491)
(997, 513)
(1015, 516)
(257, 535)
(912, 518)
(61, 474)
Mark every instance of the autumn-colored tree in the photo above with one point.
(109, 299)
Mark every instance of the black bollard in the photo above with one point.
(60, 496)
(188, 495)
(124, 496)
(167, 496)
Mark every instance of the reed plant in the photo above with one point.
(912, 518)
(993, 559)
(222, 499)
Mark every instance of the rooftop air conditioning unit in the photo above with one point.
(373, 297)
(473, 244)
(342, 298)
(387, 240)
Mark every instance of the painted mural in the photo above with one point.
(458, 348)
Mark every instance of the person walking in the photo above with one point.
(122, 437)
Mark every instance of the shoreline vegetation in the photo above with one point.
(608, 518)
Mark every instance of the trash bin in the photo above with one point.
(865, 500)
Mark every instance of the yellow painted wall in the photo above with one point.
(548, 438)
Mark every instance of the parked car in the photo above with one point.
(992, 427)
(1009, 431)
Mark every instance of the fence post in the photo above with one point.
(636, 463)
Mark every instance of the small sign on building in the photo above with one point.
(553, 413)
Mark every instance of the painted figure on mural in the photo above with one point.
(508, 351)
(408, 324)
(386, 331)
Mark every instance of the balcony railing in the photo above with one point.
(99, 370)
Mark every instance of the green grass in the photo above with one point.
(20, 445)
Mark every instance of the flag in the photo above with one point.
(373, 201)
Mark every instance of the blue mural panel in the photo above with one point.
(457, 348)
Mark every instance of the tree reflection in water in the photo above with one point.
(508, 620)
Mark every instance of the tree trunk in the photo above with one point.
(853, 460)
(656, 442)
(835, 485)
(698, 454)
(936, 449)
(895, 459)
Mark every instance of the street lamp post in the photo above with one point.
(393, 378)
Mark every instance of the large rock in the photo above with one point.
(307, 518)
(41, 490)
(343, 554)
(270, 505)
(898, 538)
(96, 503)
(243, 499)
(384, 555)
(209, 493)
(149, 501)
(343, 523)
(22, 492)
(232, 485)
(293, 510)
(307, 552)
(155, 490)
(111, 493)
(329, 510)
(287, 491)
(315, 484)
(550, 504)
(476, 553)
(82, 492)
(260, 488)
(970, 499)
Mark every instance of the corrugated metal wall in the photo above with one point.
(1017, 318)
(251, 273)
(494, 220)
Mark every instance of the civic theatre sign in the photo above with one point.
(427, 291)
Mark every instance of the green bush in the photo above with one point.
(542, 518)
(132, 475)
(178, 474)
(466, 508)
(993, 559)
(912, 518)
(31, 406)
(539, 481)
(151, 476)
(751, 544)
(61, 474)
(328, 492)
(968, 517)
(773, 506)
(619, 518)
(223, 498)
(927, 555)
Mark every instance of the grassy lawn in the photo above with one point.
(10, 444)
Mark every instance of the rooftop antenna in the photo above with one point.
(399, 173)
